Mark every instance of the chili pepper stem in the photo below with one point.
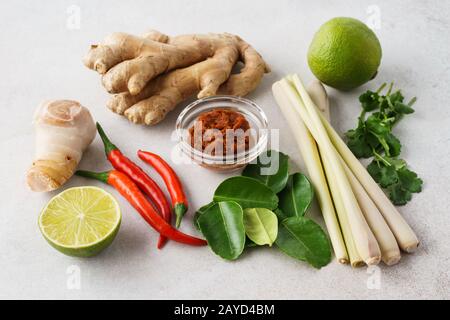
(109, 146)
(100, 176)
(180, 210)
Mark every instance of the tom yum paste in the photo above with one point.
(220, 132)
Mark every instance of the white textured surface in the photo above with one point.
(40, 59)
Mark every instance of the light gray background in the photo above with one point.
(40, 58)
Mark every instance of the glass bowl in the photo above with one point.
(250, 110)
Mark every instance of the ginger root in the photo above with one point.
(64, 129)
(150, 75)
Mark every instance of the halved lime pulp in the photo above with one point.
(81, 221)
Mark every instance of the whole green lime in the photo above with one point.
(344, 53)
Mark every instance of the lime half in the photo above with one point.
(81, 221)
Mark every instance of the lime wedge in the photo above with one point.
(80, 221)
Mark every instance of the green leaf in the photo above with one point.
(248, 192)
(396, 97)
(369, 101)
(249, 243)
(359, 143)
(394, 145)
(373, 142)
(398, 195)
(403, 108)
(261, 225)
(409, 180)
(397, 178)
(374, 138)
(382, 174)
(384, 105)
(222, 224)
(379, 134)
(272, 170)
(303, 239)
(280, 214)
(296, 198)
(376, 126)
(397, 163)
(200, 211)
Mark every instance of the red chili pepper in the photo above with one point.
(130, 191)
(173, 183)
(143, 181)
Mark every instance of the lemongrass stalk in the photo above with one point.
(390, 252)
(365, 241)
(318, 95)
(355, 258)
(405, 236)
(310, 155)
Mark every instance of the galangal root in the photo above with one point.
(150, 75)
(64, 129)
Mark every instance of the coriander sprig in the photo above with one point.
(373, 138)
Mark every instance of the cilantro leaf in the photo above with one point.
(409, 180)
(358, 143)
(398, 195)
(377, 126)
(394, 145)
(369, 101)
(373, 141)
(382, 131)
(402, 108)
(382, 174)
(373, 138)
(394, 98)
(397, 163)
